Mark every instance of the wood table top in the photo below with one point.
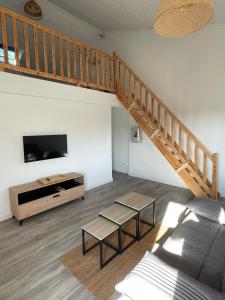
(100, 228)
(118, 213)
(135, 201)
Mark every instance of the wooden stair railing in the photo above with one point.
(195, 164)
(41, 51)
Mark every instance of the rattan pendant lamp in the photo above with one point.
(177, 18)
(33, 10)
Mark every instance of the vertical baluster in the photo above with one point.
(26, 45)
(146, 102)
(97, 69)
(196, 157)
(102, 69)
(61, 67)
(173, 131)
(68, 59)
(120, 76)
(111, 73)
(180, 139)
(159, 116)
(107, 72)
(45, 54)
(86, 65)
(75, 61)
(165, 123)
(205, 168)
(130, 85)
(36, 52)
(214, 175)
(140, 88)
(53, 54)
(135, 89)
(5, 38)
(92, 67)
(81, 64)
(15, 38)
(153, 109)
(124, 79)
(188, 148)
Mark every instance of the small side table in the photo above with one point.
(120, 215)
(138, 203)
(100, 229)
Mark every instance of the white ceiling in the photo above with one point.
(122, 14)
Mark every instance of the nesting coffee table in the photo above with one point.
(112, 219)
(120, 215)
(138, 203)
(100, 228)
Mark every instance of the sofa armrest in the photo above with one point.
(152, 278)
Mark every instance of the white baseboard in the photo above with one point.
(6, 216)
(92, 186)
(162, 181)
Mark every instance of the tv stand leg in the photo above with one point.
(83, 198)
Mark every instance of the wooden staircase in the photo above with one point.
(186, 154)
(44, 53)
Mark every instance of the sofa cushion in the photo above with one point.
(152, 278)
(223, 283)
(208, 208)
(188, 246)
(213, 270)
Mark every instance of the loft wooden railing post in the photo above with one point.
(16, 43)
(26, 46)
(4, 37)
(215, 175)
(36, 50)
(53, 54)
(68, 59)
(45, 51)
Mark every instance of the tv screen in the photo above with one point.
(43, 147)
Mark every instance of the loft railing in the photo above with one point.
(198, 158)
(31, 48)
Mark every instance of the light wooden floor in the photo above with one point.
(29, 255)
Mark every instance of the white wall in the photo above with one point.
(189, 75)
(31, 107)
(59, 20)
(120, 140)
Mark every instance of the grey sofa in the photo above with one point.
(189, 265)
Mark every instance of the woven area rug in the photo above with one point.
(101, 283)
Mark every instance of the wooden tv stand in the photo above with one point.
(35, 197)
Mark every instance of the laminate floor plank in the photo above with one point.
(29, 255)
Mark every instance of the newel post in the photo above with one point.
(215, 175)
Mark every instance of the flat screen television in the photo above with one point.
(43, 147)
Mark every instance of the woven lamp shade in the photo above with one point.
(32, 9)
(176, 18)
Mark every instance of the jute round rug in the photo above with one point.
(101, 283)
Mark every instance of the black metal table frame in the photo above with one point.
(121, 230)
(100, 243)
(139, 220)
